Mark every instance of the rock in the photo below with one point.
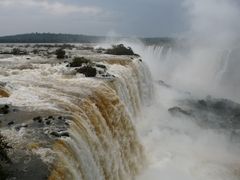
(175, 110)
(10, 123)
(101, 66)
(50, 117)
(55, 134)
(21, 126)
(48, 122)
(162, 83)
(37, 118)
(4, 109)
(59, 134)
(88, 71)
(65, 134)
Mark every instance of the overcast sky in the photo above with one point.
(148, 18)
(93, 17)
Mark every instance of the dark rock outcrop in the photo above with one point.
(177, 110)
(88, 71)
(4, 109)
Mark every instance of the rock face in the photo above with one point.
(211, 112)
(177, 110)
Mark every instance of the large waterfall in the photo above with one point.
(79, 128)
(125, 123)
(191, 131)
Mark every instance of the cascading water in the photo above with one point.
(63, 125)
(188, 136)
(81, 128)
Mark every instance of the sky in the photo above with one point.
(145, 18)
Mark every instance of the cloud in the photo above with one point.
(52, 7)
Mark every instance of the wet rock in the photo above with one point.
(107, 75)
(10, 123)
(101, 66)
(48, 122)
(59, 134)
(65, 134)
(4, 109)
(18, 127)
(175, 110)
(50, 117)
(66, 123)
(162, 83)
(38, 118)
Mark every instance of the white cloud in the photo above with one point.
(51, 7)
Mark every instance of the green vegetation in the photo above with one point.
(50, 38)
(16, 51)
(60, 53)
(79, 61)
(88, 71)
(73, 38)
(120, 49)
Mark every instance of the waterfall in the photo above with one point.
(102, 142)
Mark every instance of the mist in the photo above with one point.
(205, 61)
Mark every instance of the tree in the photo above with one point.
(60, 53)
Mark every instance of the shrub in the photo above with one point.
(88, 71)
(17, 51)
(60, 53)
(79, 61)
(120, 49)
